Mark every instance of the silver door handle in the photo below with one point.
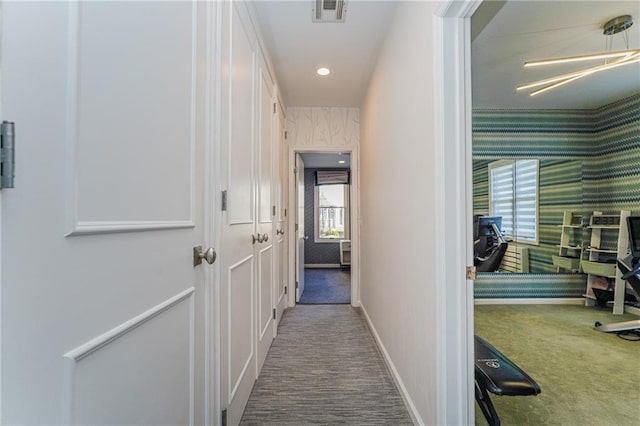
(265, 238)
(306, 237)
(279, 232)
(256, 237)
(198, 255)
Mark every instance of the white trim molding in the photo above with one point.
(73, 222)
(454, 294)
(74, 356)
(91, 228)
(354, 206)
(404, 393)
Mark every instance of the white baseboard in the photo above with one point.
(532, 301)
(321, 265)
(408, 402)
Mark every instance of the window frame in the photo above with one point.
(347, 216)
(512, 162)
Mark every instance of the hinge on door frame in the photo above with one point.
(274, 210)
(223, 201)
(7, 154)
(285, 134)
(471, 272)
(295, 170)
(285, 212)
(297, 285)
(274, 313)
(274, 107)
(285, 289)
(223, 419)
(297, 227)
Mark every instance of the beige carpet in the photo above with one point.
(586, 377)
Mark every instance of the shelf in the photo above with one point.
(611, 251)
(570, 247)
(569, 226)
(601, 269)
(602, 229)
(568, 263)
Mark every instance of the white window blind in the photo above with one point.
(513, 194)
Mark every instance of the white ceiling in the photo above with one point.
(298, 47)
(527, 30)
(519, 31)
(326, 161)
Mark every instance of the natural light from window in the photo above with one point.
(513, 194)
(332, 212)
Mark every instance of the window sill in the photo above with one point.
(329, 240)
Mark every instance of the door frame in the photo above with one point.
(354, 214)
(213, 216)
(453, 211)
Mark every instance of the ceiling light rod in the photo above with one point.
(620, 58)
(578, 58)
(587, 72)
(619, 62)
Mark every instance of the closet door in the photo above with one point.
(102, 307)
(265, 247)
(281, 155)
(239, 262)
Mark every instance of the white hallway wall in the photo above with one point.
(398, 247)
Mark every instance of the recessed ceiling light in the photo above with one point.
(341, 161)
(323, 71)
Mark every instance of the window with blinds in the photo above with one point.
(331, 213)
(513, 194)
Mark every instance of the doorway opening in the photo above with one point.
(323, 228)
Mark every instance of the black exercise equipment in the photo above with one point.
(489, 246)
(497, 374)
(630, 268)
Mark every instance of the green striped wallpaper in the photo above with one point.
(590, 160)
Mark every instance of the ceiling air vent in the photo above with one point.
(329, 10)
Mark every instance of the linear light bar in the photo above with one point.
(612, 59)
(566, 78)
(554, 85)
(568, 59)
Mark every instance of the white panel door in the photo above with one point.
(300, 237)
(102, 308)
(282, 259)
(265, 249)
(239, 262)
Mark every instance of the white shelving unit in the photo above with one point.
(570, 247)
(600, 264)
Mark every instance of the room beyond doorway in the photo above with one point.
(323, 218)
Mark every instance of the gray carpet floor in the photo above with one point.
(324, 368)
(326, 286)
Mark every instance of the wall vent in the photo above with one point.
(329, 10)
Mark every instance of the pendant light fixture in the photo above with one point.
(612, 60)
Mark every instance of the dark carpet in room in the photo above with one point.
(326, 286)
(324, 368)
(586, 377)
